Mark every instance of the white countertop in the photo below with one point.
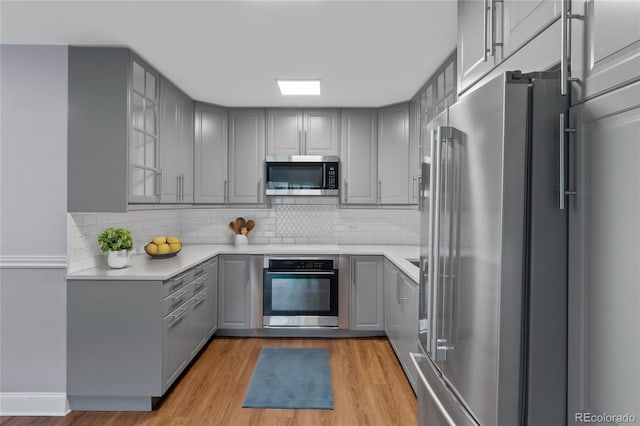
(143, 267)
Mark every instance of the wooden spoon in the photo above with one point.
(240, 223)
(233, 227)
(250, 225)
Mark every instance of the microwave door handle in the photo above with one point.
(324, 176)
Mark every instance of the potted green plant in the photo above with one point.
(118, 243)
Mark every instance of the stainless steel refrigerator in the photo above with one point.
(493, 279)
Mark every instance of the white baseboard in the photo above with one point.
(33, 404)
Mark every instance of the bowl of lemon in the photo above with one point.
(163, 247)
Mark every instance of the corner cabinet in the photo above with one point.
(302, 132)
(367, 298)
(359, 156)
(129, 340)
(246, 156)
(401, 317)
(211, 184)
(113, 144)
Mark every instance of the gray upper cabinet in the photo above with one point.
(393, 154)
(234, 292)
(414, 149)
(320, 132)
(246, 155)
(476, 55)
(359, 156)
(113, 156)
(176, 144)
(523, 20)
(301, 132)
(605, 46)
(211, 141)
(367, 297)
(144, 143)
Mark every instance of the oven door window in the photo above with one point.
(294, 176)
(293, 294)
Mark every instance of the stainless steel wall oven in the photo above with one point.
(300, 292)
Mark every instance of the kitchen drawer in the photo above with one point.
(200, 282)
(175, 283)
(177, 298)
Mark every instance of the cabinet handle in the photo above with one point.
(486, 26)
(226, 191)
(379, 191)
(490, 13)
(199, 300)
(346, 190)
(300, 142)
(260, 190)
(179, 295)
(305, 143)
(177, 188)
(177, 317)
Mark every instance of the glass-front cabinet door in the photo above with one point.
(143, 143)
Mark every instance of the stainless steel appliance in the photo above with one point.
(493, 299)
(302, 175)
(300, 292)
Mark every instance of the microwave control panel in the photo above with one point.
(332, 176)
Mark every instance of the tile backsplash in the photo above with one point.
(84, 228)
(287, 221)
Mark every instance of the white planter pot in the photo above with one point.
(119, 259)
(241, 240)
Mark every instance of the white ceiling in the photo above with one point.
(367, 53)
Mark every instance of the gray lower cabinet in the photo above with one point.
(234, 297)
(401, 317)
(211, 268)
(605, 46)
(367, 298)
(128, 341)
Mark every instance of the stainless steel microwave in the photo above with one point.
(302, 175)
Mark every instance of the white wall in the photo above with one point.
(33, 223)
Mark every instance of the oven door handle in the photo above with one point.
(300, 273)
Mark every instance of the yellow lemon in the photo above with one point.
(163, 248)
(151, 248)
(175, 247)
(173, 240)
(159, 240)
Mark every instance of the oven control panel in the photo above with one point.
(301, 264)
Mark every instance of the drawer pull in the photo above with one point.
(179, 295)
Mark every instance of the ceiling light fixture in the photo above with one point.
(299, 87)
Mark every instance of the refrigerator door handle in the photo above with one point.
(434, 252)
(563, 192)
(432, 394)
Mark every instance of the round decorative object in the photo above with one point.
(164, 256)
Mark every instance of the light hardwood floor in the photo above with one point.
(369, 388)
